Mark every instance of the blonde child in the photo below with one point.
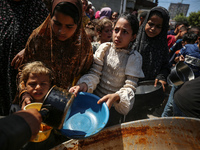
(104, 33)
(37, 79)
(115, 71)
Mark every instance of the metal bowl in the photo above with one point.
(180, 73)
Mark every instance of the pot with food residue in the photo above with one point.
(175, 133)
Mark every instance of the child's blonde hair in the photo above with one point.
(101, 25)
(36, 67)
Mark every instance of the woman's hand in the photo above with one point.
(109, 99)
(17, 60)
(162, 82)
(78, 88)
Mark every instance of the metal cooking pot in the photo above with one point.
(56, 107)
(179, 133)
(146, 96)
(149, 95)
(180, 73)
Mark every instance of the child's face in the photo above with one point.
(63, 26)
(91, 12)
(181, 33)
(38, 85)
(122, 34)
(106, 33)
(84, 5)
(154, 26)
(114, 16)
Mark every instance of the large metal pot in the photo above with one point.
(56, 107)
(151, 134)
(180, 73)
(147, 96)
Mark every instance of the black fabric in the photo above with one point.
(187, 98)
(17, 21)
(154, 50)
(14, 132)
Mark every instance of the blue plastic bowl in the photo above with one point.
(86, 117)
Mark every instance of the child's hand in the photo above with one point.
(176, 59)
(26, 101)
(109, 99)
(78, 88)
(181, 58)
(162, 82)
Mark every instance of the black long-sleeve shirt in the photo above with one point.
(14, 132)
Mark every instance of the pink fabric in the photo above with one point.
(170, 40)
(97, 16)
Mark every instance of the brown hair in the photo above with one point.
(35, 67)
(101, 24)
(91, 33)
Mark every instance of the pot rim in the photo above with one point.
(174, 79)
(148, 81)
(67, 107)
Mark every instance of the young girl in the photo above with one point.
(104, 33)
(114, 16)
(116, 69)
(151, 42)
(37, 79)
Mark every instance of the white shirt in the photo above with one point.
(115, 71)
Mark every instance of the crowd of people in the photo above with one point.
(70, 44)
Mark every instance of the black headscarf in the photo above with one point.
(154, 50)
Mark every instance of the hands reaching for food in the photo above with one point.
(109, 99)
(78, 88)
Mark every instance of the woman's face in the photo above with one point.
(84, 5)
(122, 34)
(154, 26)
(63, 26)
(106, 33)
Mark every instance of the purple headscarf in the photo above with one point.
(105, 12)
